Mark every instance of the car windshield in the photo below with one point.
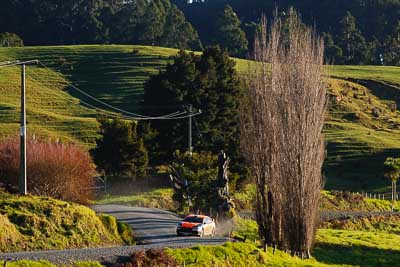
(193, 220)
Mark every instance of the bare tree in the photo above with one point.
(281, 125)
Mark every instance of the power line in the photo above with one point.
(132, 116)
(175, 115)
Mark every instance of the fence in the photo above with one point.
(381, 196)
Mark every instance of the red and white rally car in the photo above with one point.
(199, 225)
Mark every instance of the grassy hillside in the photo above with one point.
(358, 141)
(111, 73)
(362, 131)
(33, 223)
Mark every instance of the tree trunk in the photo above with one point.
(393, 193)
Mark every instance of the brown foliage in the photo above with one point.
(53, 170)
(149, 258)
(281, 127)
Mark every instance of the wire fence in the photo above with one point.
(381, 196)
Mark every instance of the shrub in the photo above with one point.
(120, 151)
(149, 258)
(53, 170)
(200, 170)
(10, 40)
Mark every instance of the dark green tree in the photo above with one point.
(392, 47)
(352, 42)
(178, 32)
(152, 25)
(125, 22)
(209, 83)
(228, 33)
(251, 29)
(10, 40)
(120, 151)
(198, 174)
(333, 53)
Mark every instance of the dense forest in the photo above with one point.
(355, 31)
(56, 22)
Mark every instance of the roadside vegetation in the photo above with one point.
(156, 198)
(37, 223)
(388, 223)
(346, 201)
(62, 171)
(333, 247)
(26, 263)
(330, 201)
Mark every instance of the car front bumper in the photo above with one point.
(187, 231)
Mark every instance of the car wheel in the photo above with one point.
(178, 234)
(213, 232)
(201, 233)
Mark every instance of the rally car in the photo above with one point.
(198, 225)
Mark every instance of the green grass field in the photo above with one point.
(358, 141)
(333, 248)
(350, 247)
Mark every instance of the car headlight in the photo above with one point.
(197, 228)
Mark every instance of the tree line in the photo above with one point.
(63, 22)
(355, 31)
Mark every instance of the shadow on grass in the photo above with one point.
(356, 255)
(363, 172)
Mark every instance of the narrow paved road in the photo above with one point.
(154, 228)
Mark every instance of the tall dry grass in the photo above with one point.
(282, 120)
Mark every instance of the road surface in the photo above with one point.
(154, 228)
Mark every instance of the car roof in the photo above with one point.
(196, 215)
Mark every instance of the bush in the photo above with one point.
(149, 258)
(200, 170)
(120, 151)
(10, 40)
(53, 170)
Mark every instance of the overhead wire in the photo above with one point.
(132, 116)
(174, 115)
(87, 105)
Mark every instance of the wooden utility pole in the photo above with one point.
(22, 182)
(22, 164)
(190, 147)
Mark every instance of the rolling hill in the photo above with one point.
(362, 126)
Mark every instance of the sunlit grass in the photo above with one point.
(157, 198)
